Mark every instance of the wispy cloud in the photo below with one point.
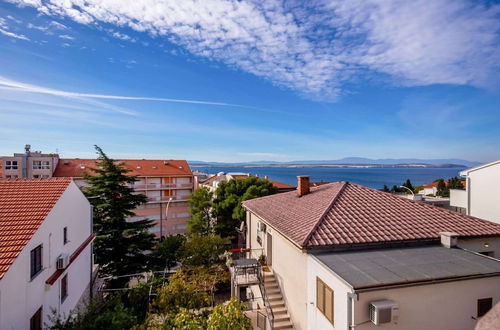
(14, 35)
(20, 86)
(317, 47)
(67, 37)
(123, 36)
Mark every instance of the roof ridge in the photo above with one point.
(327, 209)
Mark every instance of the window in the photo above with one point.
(488, 253)
(483, 306)
(36, 176)
(64, 288)
(11, 164)
(324, 299)
(36, 261)
(45, 165)
(37, 164)
(36, 320)
(65, 235)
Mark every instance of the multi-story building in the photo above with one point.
(344, 256)
(45, 251)
(166, 183)
(30, 164)
(482, 192)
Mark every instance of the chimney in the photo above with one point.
(302, 185)
(27, 148)
(449, 240)
(266, 177)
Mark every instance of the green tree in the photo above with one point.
(184, 320)
(456, 183)
(385, 188)
(201, 250)
(227, 207)
(442, 189)
(119, 245)
(166, 253)
(180, 293)
(110, 314)
(200, 208)
(229, 316)
(408, 185)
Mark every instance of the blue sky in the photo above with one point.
(251, 80)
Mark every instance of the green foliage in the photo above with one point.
(227, 207)
(119, 245)
(408, 185)
(442, 189)
(456, 183)
(179, 293)
(385, 188)
(201, 250)
(184, 320)
(229, 316)
(102, 314)
(137, 299)
(166, 253)
(200, 208)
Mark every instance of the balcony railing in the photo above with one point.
(162, 186)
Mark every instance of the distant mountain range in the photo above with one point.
(353, 161)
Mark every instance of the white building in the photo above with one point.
(45, 251)
(482, 195)
(338, 249)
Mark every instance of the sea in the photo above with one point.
(371, 177)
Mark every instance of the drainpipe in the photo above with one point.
(351, 298)
(468, 194)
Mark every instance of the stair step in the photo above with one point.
(282, 325)
(279, 309)
(281, 317)
(273, 290)
(275, 297)
(277, 303)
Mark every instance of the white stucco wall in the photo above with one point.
(458, 198)
(443, 306)
(290, 268)
(316, 319)
(484, 244)
(20, 297)
(483, 187)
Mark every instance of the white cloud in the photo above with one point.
(123, 36)
(67, 37)
(316, 47)
(58, 25)
(14, 35)
(9, 84)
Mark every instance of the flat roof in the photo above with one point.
(388, 267)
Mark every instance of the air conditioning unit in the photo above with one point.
(62, 261)
(384, 311)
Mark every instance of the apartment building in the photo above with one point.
(30, 164)
(482, 193)
(166, 183)
(45, 251)
(344, 256)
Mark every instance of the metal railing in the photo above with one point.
(265, 298)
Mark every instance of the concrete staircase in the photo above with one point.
(276, 302)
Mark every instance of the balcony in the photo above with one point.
(165, 199)
(158, 186)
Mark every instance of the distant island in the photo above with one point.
(350, 162)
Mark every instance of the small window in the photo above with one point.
(36, 261)
(37, 164)
(45, 165)
(36, 320)
(324, 299)
(11, 164)
(36, 176)
(483, 306)
(488, 253)
(65, 235)
(64, 288)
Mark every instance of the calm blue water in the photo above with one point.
(370, 177)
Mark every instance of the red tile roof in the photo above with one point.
(24, 204)
(343, 213)
(141, 167)
(281, 185)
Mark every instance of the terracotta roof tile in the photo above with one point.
(75, 167)
(24, 204)
(345, 213)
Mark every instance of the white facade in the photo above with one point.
(21, 296)
(447, 305)
(482, 192)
